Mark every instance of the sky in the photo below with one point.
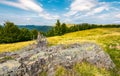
(46, 12)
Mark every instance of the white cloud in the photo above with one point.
(117, 22)
(70, 13)
(14, 4)
(28, 19)
(48, 16)
(30, 5)
(97, 10)
(87, 9)
(24, 4)
(117, 15)
(83, 5)
(103, 16)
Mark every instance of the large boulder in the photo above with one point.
(33, 62)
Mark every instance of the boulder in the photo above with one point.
(33, 62)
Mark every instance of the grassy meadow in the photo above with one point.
(107, 38)
(14, 46)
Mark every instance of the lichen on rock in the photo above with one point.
(31, 62)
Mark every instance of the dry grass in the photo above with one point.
(105, 37)
(14, 46)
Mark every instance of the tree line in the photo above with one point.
(62, 28)
(10, 33)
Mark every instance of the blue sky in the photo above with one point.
(46, 12)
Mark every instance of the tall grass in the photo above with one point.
(105, 37)
(14, 46)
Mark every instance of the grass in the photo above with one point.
(93, 35)
(5, 59)
(105, 37)
(83, 69)
(14, 46)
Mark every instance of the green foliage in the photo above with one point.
(64, 29)
(34, 33)
(10, 33)
(61, 29)
(57, 28)
(25, 35)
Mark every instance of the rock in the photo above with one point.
(31, 62)
(8, 66)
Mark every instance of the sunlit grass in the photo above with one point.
(14, 46)
(83, 69)
(93, 35)
(105, 37)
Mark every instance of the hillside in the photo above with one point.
(39, 28)
(99, 35)
(107, 38)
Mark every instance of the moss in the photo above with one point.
(43, 73)
(86, 69)
(5, 59)
(60, 71)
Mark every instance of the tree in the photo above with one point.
(25, 35)
(50, 32)
(1, 32)
(34, 33)
(10, 32)
(63, 29)
(57, 29)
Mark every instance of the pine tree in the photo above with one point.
(57, 29)
(63, 29)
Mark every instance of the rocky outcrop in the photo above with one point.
(31, 62)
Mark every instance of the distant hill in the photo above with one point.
(39, 28)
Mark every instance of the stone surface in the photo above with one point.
(31, 62)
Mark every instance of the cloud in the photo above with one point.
(117, 22)
(82, 5)
(30, 5)
(24, 4)
(28, 19)
(48, 16)
(117, 15)
(97, 10)
(87, 9)
(14, 4)
(103, 16)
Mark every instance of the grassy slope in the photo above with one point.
(105, 37)
(14, 46)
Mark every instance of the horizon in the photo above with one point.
(46, 12)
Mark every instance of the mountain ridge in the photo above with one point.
(43, 28)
